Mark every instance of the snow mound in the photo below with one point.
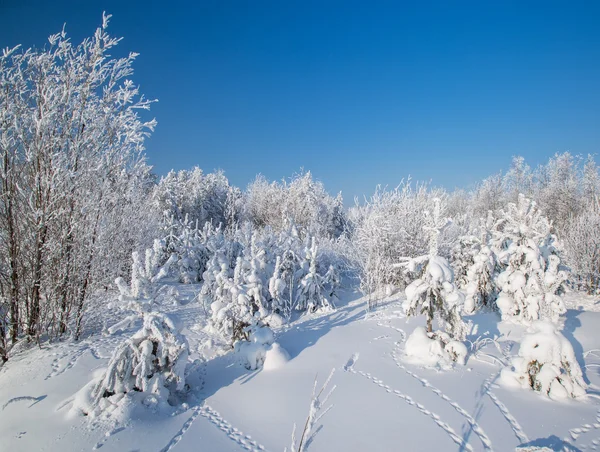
(261, 350)
(434, 349)
(546, 364)
(275, 357)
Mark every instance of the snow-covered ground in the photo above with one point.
(381, 401)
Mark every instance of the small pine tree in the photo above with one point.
(152, 361)
(311, 288)
(277, 287)
(434, 292)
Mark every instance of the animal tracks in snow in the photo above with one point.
(516, 428)
(245, 441)
(575, 433)
(57, 369)
(485, 440)
(349, 367)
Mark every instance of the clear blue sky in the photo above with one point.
(360, 93)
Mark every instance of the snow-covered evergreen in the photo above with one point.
(433, 292)
(152, 363)
(532, 280)
(546, 363)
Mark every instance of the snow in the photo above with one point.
(381, 399)
(275, 357)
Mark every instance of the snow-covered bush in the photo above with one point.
(481, 286)
(546, 364)
(152, 363)
(532, 281)
(260, 349)
(433, 292)
(462, 258)
(434, 349)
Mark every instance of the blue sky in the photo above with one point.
(360, 93)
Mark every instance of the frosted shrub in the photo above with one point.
(257, 277)
(546, 364)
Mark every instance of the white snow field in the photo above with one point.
(381, 402)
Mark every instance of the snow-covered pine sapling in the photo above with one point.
(481, 290)
(462, 258)
(532, 280)
(277, 287)
(316, 412)
(311, 288)
(546, 364)
(143, 289)
(434, 293)
(332, 282)
(152, 362)
(289, 264)
(254, 290)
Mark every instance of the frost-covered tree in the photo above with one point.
(73, 178)
(581, 238)
(462, 258)
(532, 280)
(277, 287)
(302, 201)
(387, 227)
(518, 179)
(198, 197)
(559, 188)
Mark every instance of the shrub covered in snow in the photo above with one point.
(261, 350)
(531, 284)
(152, 363)
(434, 349)
(311, 294)
(546, 364)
